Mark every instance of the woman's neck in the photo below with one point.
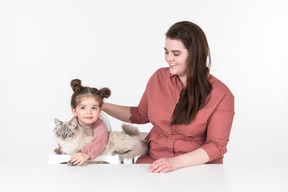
(183, 80)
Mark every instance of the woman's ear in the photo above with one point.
(74, 112)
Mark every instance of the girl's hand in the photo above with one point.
(163, 165)
(79, 158)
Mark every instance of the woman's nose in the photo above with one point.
(169, 57)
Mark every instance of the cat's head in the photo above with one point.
(65, 130)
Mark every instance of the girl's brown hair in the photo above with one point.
(194, 95)
(80, 91)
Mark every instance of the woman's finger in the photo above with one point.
(167, 169)
(160, 168)
(154, 166)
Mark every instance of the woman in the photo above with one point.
(191, 111)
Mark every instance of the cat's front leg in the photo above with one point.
(58, 151)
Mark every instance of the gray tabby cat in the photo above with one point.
(73, 137)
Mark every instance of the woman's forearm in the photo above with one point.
(117, 111)
(162, 165)
(196, 157)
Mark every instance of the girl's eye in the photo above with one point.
(94, 108)
(166, 53)
(82, 108)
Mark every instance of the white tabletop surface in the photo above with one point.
(132, 177)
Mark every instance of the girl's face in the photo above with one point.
(87, 110)
(176, 56)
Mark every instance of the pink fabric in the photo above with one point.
(99, 142)
(210, 129)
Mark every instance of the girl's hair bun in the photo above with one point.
(104, 92)
(76, 85)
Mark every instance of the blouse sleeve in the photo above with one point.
(139, 114)
(99, 142)
(219, 127)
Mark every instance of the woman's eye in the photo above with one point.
(176, 54)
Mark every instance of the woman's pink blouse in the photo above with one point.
(209, 130)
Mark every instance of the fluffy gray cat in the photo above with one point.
(73, 137)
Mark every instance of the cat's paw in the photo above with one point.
(57, 151)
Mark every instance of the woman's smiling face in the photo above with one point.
(176, 56)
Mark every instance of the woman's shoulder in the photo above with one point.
(164, 71)
(161, 73)
(218, 86)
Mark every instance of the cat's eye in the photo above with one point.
(69, 132)
(59, 132)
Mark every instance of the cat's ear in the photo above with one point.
(57, 122)
(73, 123)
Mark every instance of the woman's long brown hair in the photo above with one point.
(194, 95)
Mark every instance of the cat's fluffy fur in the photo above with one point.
(127, 144)
(71, 137)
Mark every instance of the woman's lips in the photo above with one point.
(172, 65)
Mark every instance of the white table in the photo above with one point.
(132, 177)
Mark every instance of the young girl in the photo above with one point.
(86, 103)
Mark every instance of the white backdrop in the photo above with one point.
(119, 44)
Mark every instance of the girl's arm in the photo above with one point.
(99, 142)
(196, 157)
(93, 149)
(119, 112)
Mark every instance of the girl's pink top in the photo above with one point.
(209, 130)
(99, 141)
